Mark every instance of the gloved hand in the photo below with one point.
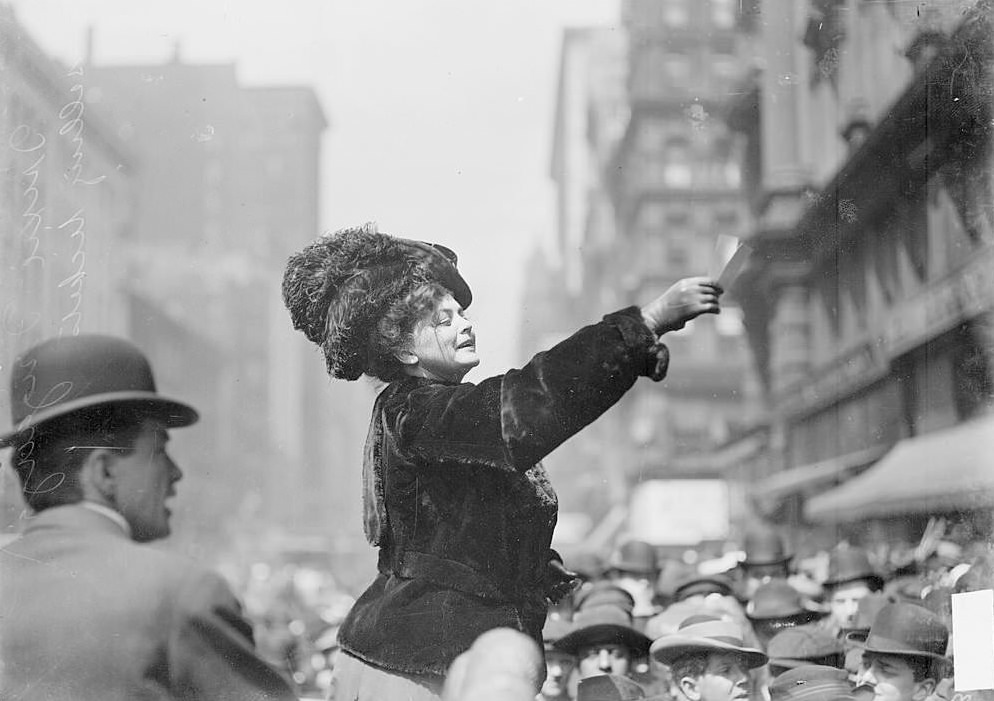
(559, 581)
(684, 300)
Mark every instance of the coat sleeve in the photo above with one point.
(520, 417)
(211, 650)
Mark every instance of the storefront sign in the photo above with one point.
(942, 306)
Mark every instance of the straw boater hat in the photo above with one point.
(339, 286)
(73, 374)
(706, 634)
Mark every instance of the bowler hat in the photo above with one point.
(907, 630)
(635, 556)
(588, 565)
(603, 593)
(608, 687)
(705, 634)
(65, 375)
(603, 625)
(804, 645)
(776, 599)
(338, 288)
(811, 683)
(703, 584)
(851, 565)
(764, 546)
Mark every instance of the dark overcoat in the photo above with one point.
(460, 506)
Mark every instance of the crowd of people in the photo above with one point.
(468, 588)
(765, 629)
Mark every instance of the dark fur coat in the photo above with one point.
(460, 506)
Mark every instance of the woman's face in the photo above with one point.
(443, 345)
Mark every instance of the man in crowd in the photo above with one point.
(776, 606)
(87, 612)
(766, 558)
(603, 641)
(851, 578)
(903, 653)
(634, 566)
(558, 664)
(708, 659)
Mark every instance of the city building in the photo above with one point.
(868, 301)
(648, 192)
(67, 210)
(229, 189)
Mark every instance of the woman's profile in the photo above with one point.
(455, 496)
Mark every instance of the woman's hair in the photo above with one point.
(48, 459)
(392, 333)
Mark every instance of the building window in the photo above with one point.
(676, 13)
(676, 157)
(723, 13)
(677, 68)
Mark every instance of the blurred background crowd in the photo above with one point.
(843, 395)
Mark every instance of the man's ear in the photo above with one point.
(406, 357)
(691, 687)
(923, 689)
(97, 477)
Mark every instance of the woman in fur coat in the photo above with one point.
(455, 497)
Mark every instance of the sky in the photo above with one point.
(440, 111)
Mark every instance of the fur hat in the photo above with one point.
(339, 286)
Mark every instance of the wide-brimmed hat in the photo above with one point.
(635, 556)
(339, 286)
(851, 565)
(608, 687)
(906, 630)
(72, 374)
(804, 645)
(706, 634)
(603, 625)
(812, 683)
(777, 600)
(764, 546)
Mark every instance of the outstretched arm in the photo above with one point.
(520, 417)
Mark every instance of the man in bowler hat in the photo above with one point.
(903, 653)
(87, 612)
(851, 578)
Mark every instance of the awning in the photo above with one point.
(949, 470)
(811, 476)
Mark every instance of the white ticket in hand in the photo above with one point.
(730, 258)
